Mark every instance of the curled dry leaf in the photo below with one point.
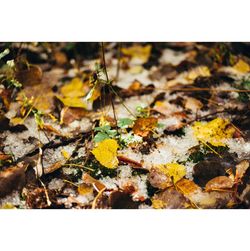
(133, 163)
(144, 126)
(219, 183)
(241, 169)
(106, 153)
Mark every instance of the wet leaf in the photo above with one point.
(213, 132)
(106, 153)
(144, 126)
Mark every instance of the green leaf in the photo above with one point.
(100, 136)
(125, 123)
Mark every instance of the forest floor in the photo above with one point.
(124, 125)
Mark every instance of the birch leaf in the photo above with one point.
(213, 132)
(106, 153)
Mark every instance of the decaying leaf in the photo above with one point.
(106, 153)
(213, 132)
(144, 126)
(193, 104)
(139, 52)
(70, 114)
(159, 179)
(219, 183)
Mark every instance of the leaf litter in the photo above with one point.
(125, 130)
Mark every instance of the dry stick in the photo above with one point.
(118, 62)
(107, 81)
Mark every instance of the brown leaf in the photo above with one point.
(12, 178)
(133, 163)
(70, 114)
(53, 167)
(158, 179)
(4, 156)
(30, 76)
(187, 187)
(219, 183)
(144, 126)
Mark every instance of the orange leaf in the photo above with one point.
(220, 182)
(144, 126)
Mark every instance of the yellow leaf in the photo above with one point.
(158, 204)
(201, 71)
(213, 132)
(241, 66)
(173, 170)
(73, 102)
(137, 51)
(73, 89)
(16, 121)
(106, 153)
(136, 69)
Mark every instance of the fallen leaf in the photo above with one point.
(84, 189)
(159, 179)
(4, 156)
(73, 93)
(193, 104)
(65, 154)
(70, 114)
(187, 187)
(87, 179)
(139, 52)
(158, 204)
(75, 88)
(242, 66)
(12, 178)
(218, 183)
(173, 170)
(30, 76)
(106, 153)
(200, 71)
(241, 169)
(144, 126)
(213, 132)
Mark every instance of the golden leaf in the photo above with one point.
(16, 121)
(187, 187)
(137, 51)
(143, 126)
(73, 102)
(213, 132)
(201, 71)
(84, 189)
(91, 181)
(73, 89)
(106, 153)
(173, 170)
(241, 66)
